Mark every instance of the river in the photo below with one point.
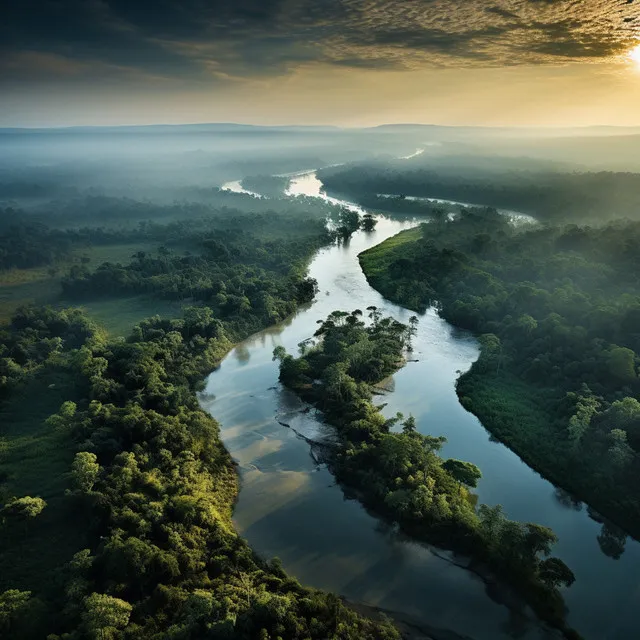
(289, 506)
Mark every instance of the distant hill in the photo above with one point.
(220, 127)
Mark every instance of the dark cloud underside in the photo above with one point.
(210, 40)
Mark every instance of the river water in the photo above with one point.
(290, 507)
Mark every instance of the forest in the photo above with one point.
(556, 309)
(397, 471)
(117, 491)
(125, 281)
(564, 194)
(151, 488)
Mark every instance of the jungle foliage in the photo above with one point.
(557, 310)
(398, 473)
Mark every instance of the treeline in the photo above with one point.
(549, 196)
(34, 338)
(155, 487)
(399, 473)
(558, 311)
(197, 202)
(234, 272)
(266, 185)
(141, 489)
(405, 206)
(237, 264)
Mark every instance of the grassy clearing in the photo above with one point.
(45, 291)
(19, 287)
(375, 261)
(34, 461)
(112, 253)
(119, 315)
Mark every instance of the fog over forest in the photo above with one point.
(425, 335)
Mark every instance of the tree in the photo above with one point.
(103, 614)
(64, 418)
(409, 426)
(587, 406)
(620, 453)
(12, 602)
(624, 414)
(368, 222)
(349, 220)
(491, 519)
(555, 573)
(24, 508)
(538, 539)
(463, 472)
(84, 471)
(621, 362)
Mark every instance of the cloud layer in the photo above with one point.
(205, 41)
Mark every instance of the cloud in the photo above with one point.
(204, 41)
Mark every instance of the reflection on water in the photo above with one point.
(236, 187)
(290, 507)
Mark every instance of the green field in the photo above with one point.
(119, 315)
(41, 286)
(375, 261)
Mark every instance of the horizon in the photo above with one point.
(284, 125)
(346, 63)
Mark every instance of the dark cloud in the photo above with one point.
(209, 40)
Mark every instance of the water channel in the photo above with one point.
(289, 506)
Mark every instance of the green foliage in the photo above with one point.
(368, 222)
(84, 471)
(464, 472)
(399, 474)
(348, 222)
(550, 196)
(157, 487)
(557, 311)
(23, 508)
(12, 603)
(103, 615)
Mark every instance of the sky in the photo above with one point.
(339, 62)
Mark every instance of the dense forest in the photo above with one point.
(117, 492)
(557, 311)
(399, 473)
(151, 488)
(124, 281)
(548, 195)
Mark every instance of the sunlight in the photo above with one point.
(634, 56)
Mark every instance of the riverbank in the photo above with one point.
(285, 494)
(400, 475)
(533, 421)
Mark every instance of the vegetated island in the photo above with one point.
(117, 491)
(557, 311)
(400, 474)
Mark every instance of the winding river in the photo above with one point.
(289, 505)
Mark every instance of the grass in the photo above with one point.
(29, 291)
(19, 287)
(119, 315)
(112, 253)
(376, 260)
(34, 461)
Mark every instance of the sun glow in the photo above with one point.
(634, 56)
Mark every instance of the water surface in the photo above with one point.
(290, 507)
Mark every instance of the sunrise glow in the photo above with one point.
(634, 56)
